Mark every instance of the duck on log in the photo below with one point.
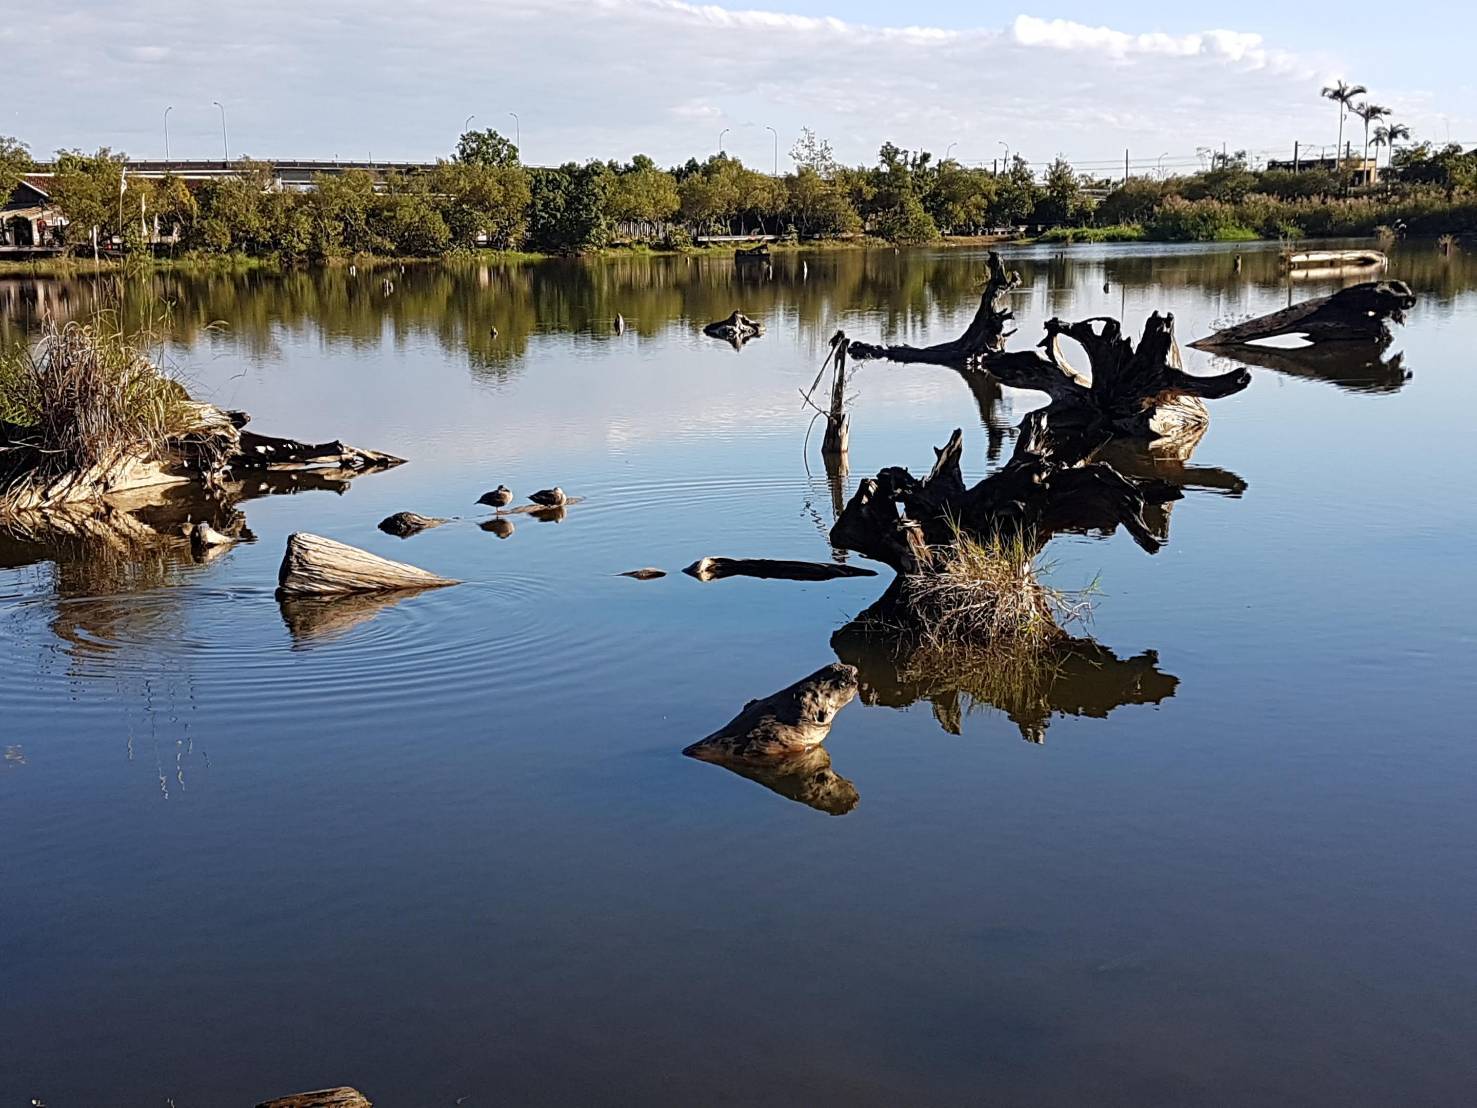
(1359, 313)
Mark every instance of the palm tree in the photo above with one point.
(1388, 135)
(1369, 113)
(1342, 95)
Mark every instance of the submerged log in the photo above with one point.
(646, 573)
(1359, 313)
(986, 333)
(342, 1097)
(785, 723)
(837, 439)
(315, 566)
(266, 451)
(405, 524)
(781, 569)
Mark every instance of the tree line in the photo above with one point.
(482, 197)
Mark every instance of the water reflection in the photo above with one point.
(1354, 367)
(488, 314)
(1079, 677)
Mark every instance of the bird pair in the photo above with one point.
(500, 497)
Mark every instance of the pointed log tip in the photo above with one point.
(316, 566)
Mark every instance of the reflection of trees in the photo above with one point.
(1077, 677)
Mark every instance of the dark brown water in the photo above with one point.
(447, 847)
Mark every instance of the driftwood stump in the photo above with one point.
(315, 566)
(736, 330)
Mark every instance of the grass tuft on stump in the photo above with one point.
(86, 392)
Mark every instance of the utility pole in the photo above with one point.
(1296, 145)
(1125, 164)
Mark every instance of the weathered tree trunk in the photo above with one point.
(985, 334)
(1359, 313)
(837, 440)
(785, 723)
(343, 1097)
(1038, 491)
(737, 329)
(715, 569)
(315, 566)
(265, 451)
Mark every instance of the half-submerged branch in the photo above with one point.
(1359, 313)
(986, 333)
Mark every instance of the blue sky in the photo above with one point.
(608, 78)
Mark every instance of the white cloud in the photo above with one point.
(607, 78)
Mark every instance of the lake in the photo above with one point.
(447, 847)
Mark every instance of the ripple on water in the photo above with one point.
(244, 651)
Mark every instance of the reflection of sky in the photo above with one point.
(473, 802)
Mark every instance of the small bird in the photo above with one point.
(1105, 286)
(1238, 263)
(492, 331)
(548, 498)
(499, 498)
(620, 324)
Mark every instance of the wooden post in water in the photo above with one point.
(838, 425)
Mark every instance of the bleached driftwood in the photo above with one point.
(315, 566)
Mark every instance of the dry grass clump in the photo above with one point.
(985, 593)
(85, 392)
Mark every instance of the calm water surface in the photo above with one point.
(447, 847)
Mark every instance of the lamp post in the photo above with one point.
(776, 135)
(166, 135)
(1161, 163)
(720, 138)
(949, 148)
(1002, 142)
(517, 130)
(225, 139)
(467, 123)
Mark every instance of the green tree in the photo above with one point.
(1061, 197)
(87, 188)
(484, 203)
(813, 153)
(567, 215)
(819, 206)
(643, 195)
(486, 148)
(960, 198)
(15, 162)
(1017, 194)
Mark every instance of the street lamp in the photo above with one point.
(225, 140)
(776, 135)
(948, 148)
(720, 138)
(467, 123)
(1002, 142)
(166, 134)
(517, 130)
(1161, 162)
